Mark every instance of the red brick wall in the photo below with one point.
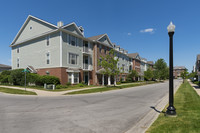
(59, 72)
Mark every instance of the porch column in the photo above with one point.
(88, 78)
(103, 79)
(72, 78)
(108, 79)
(114, 79)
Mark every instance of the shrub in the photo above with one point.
(5, 72)
(68, 83)
(118, 83)
(61, 86)
(81, 85)
(49, 80)
(17, 77)
(4, 79)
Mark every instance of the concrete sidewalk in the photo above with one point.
(57, 93)
(196, 87)
(149, 118)
(47, 93)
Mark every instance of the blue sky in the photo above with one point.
(136, 25)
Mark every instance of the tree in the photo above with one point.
(161, 71)
(184, 74)
(192, 76)
(132, 75)
(109, 63)
(148, 75)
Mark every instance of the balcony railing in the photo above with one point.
(85, 49)
(86, 66)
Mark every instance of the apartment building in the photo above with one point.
(140, 65)
(178, 70)
(197, 66)
(63, 51)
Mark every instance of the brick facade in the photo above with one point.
(59, 72)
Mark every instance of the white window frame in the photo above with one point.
(18, 63)
(48, 58)
(71, 56)
(72, 76)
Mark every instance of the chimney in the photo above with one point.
(60, 24)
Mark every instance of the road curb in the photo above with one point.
(151, 116)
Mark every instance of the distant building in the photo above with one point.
(197, 66)
(178, 70)
(4, 67)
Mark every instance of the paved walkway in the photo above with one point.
(56, 93)
(196, 87)
(47, 93)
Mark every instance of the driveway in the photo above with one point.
(109, 112)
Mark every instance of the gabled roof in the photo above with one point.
(98, 37)
(179, 67)
(150, 62)
(73, 23)
(26, 21)
(133, 55)
(4, 66)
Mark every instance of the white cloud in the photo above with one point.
(129, 34)
(149, 30)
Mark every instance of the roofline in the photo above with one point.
(38, 36)
(73, 23)
(30, 16)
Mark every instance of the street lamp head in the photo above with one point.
(171, 27)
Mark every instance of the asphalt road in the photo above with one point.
(109, 112)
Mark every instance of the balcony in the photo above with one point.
(87, 67)
(86, 50)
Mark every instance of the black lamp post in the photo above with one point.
(171, 111)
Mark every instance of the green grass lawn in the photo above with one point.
(102, 89)
(16, 91)
(187, 104)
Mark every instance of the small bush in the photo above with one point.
(68, 83)
(81, 85)
(118, 83)
(46, 79)
(61, 86)
(5, 72)
(4, 79)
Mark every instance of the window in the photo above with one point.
(70, 77)
(76, 78)
(30, 27)
(48, 40)
(72, 40)
(123, 67)
(17, 50)
(73, 77)
(18, 62)
(48, 58)
(73, 58)
(105, 50)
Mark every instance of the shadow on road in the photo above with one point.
(156, 109)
